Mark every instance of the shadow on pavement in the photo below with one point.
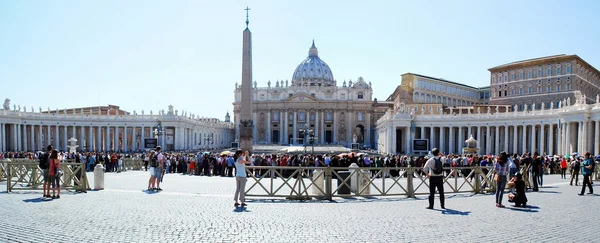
(150, 191)
(37, 200)
(553, 192)
(527, 209)
(241, 210)
(453, 212)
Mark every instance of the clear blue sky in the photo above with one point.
(149, 54)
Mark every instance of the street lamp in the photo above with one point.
(209, 138)
(309, 136)
(158, 132)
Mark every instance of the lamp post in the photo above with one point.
(209, 138)
(158, 132)
(308, 134)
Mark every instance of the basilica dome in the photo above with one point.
(313, 71)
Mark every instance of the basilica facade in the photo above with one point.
(312, 105)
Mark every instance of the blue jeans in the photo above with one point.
(500, 185)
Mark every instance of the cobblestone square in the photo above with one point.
(200, 209)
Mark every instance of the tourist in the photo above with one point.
(518, 197)
(240, 177)
(146, 159)
(586, 170)
(158, 171)
(563, 168)
(153, 164)
(230, 162)
(44, 164)
(535, 169)
(501, 170)
(435, 172)
(575, 167)
(54, 173)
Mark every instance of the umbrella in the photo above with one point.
(225, 153)
(206, 152)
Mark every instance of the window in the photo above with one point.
(557, 70)
(568, 86)
(512, 92)
(539, 89)
(500, 79)
(512, 76)
(360, 95)
(549, 72)
(539, 73)
(505, 92)
(505, 77)
(558, 87)
(548, 89)
(530, 90)
(520, 91)
(262, 96)
(568, 69)
(520, 75)
(500, 93)
(530, 75)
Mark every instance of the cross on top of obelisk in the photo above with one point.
(247, 21)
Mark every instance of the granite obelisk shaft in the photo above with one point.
(246, 123)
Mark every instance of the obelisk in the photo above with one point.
(246, 122)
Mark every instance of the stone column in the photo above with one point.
(488, 140)
(423, 132)
(48, 138)
(542, 139)
(515, 147)
(597, 138)
(567, 138)
(56, 138)
(497, 141)
(368, 130)
(106, 138)
(322, 134)
(284, 121)
(469, 131)
(451, 143)
(559, 137)
(65, 138)
(461, 139)
(2, 137)
(479, 140)
(255, 129)
(442, 140)
(126, 139)
(268, 136)
(294, 133)
(349, 128)
(581, 137)
(506, 140)
(433, 141)
(550, 138)
(23, 130)
(19, 137)
(533, 137)
(98, 145)
(32, 137)
(393, 142)
(142, 145)
(134, 145)
(40, 140)
(316, 130)
(334, 133)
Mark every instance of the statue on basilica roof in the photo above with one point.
(269, 84)
(277, 83)
(6, 105)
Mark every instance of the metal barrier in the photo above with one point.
(318, 182)
(3, 170)
(26, 175)
(132, 164)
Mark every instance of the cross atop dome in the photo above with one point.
(313, 52)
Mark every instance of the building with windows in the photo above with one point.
(543, 81)
(430, 90)
(311, 104)
(105, 128)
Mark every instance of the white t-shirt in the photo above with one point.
(161, 158)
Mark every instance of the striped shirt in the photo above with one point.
(501, 170)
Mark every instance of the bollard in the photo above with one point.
(410, 191)
(99, 177)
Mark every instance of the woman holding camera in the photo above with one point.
(241, 160)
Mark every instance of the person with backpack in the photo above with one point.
(153, 162)
(44, 165)
(575, 168)
(501, 171)
(435, 172)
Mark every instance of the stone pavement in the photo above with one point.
(200, 209)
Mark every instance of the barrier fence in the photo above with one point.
(327, 182)
(24, 174)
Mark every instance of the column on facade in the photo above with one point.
(392, 139)
(334, 132)
(515, 146)
(580, 136)
(255, 129)
(488, 140)
(2, 138)
(588, 141)
(106, 138)
(432, 142)
(40, 141)
(478, 136)
(294, 133)
(542, 137)
(349, 128)
(469, 131)
(423, 133)
(23, 130)
(269, 140)
(322, 134)
(98, 144)
(559, 137)
(317, 126)
(73, 130)
(284, 127)
(442, 145)
(533, 138)
(368, 130)
(48, 138)
(567, 138)
(452, 142)
(550, 139)
(524, 137)
(19, 137)
(505, 148)
(497, 140)
(32, 137)
(56, 137)
(597, 138)
(134, 145)
(126, 139)
(65, 138)
(461, 140)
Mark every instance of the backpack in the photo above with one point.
(154, 161)
(438, 168)
(577, 165)
(44, 161)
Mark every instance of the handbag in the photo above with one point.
(58, 172)
(496, 178)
